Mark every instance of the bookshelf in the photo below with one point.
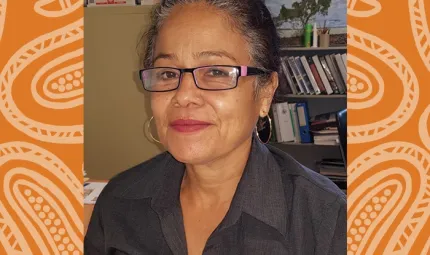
(295, 49)
(302, 51)
(290, 96)
(310, 154)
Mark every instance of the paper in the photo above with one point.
(92, 190)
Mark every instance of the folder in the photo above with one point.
(303, 116)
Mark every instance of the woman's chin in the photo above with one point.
(191, 153)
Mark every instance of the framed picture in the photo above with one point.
(290, 16)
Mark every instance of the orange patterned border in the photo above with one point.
(41, 104)
(41, 142)
(388, 128)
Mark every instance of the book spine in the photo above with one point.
(288, 76)
(335, 72)
(316, 75)
(296, 73)
(276, 120)
(322, 74)
(293, 77)
(285, 122)
(274, 136)
(344, 59)
(329, 75)
(303, 73)
(310, 75)
(295, 120)
(341, 67)
(303, 117)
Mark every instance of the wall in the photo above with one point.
(116, 107)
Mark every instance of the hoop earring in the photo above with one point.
(270, 130)
(148, 129)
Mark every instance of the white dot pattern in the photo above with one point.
(353, 84)
(48, 216)
(68, 81)
(364, 220)
(45, 213)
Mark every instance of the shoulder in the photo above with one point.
(307, 183)
(138, 181)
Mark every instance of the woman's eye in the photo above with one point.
(168, 75)
(217, 72)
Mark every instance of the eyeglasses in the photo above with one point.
(215, 77)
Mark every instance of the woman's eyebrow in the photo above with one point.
(219, 53)
(168, 56)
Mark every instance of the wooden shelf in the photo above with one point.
(308, 52)
(314, 96)
(312, 49)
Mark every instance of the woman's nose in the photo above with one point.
(187, 93)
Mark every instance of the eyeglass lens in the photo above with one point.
(211, 78)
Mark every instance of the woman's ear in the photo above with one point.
(267, 94)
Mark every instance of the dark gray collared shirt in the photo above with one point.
(280, 207)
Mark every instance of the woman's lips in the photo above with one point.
(186, 126)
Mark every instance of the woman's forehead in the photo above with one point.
(200, 34)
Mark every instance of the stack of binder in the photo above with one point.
(291, 121)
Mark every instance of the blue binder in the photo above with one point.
(303, 116)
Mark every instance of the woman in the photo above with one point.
(211, 68)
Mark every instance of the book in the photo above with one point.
(322, 74)
(336, 75)
(323, 121)
(316, 75)
(296, 73)
(303, 117)
(276, 122)
(326, 142)
(311, 77)
(305, 76)
(342, 67)
(292, 83)
(283, 85)
(274, 136)
(293, 110)
(329, 75)
(344, 59)
(285, 126)
(325, 131)
(324, 118)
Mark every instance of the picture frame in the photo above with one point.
(289, 16)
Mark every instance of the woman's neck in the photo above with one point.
(214, 184)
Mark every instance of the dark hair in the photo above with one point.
(250, 17)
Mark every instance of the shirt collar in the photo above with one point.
(260, 192)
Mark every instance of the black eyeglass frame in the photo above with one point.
(242, 71)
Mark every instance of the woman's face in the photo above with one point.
(196, 35)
